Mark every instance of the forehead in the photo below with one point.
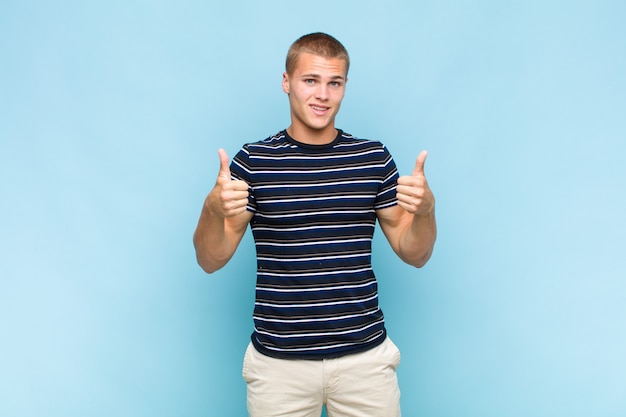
(311, 64)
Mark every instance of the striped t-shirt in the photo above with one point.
(314, 215)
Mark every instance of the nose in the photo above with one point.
(322, 92)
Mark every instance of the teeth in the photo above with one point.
(318, 108)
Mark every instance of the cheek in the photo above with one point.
(339, 96)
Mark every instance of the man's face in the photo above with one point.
(315, 88)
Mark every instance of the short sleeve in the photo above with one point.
(386, 196)
(240, 169)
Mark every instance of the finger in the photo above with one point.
(239, 185)
(224, 165)
(419, 164)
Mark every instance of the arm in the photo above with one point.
(410, 227)
(223, 220)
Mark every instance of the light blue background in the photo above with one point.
(111, 114)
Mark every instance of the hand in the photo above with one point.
(228, 198)
(413, 193)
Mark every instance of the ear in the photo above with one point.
(286, 82)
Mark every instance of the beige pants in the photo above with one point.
(358, 385)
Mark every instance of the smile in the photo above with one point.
(319, 109)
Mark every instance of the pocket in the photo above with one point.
(246, 370)
(394, 352)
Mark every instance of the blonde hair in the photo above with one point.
(318, 43)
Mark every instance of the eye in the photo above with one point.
(309, 81)
(335, 84)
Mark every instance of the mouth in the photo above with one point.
(319, 110)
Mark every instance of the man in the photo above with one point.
(312, 195)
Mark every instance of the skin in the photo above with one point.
(315, 89)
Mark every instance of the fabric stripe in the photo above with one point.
(314, 218)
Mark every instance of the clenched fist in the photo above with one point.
(413, 193)
(229, 197)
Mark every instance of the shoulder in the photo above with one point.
(277, 140)
(271, 145)
(348, 139)
(351, 144)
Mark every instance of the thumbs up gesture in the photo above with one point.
(413, 193)
(229, 197)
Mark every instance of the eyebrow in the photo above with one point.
(334, 77)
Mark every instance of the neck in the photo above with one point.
(312, 136)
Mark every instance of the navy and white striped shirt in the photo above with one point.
(314, 217)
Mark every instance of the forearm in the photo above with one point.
(215, 240)
(418, 239)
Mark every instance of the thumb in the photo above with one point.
(224, 165)
(419, 163)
